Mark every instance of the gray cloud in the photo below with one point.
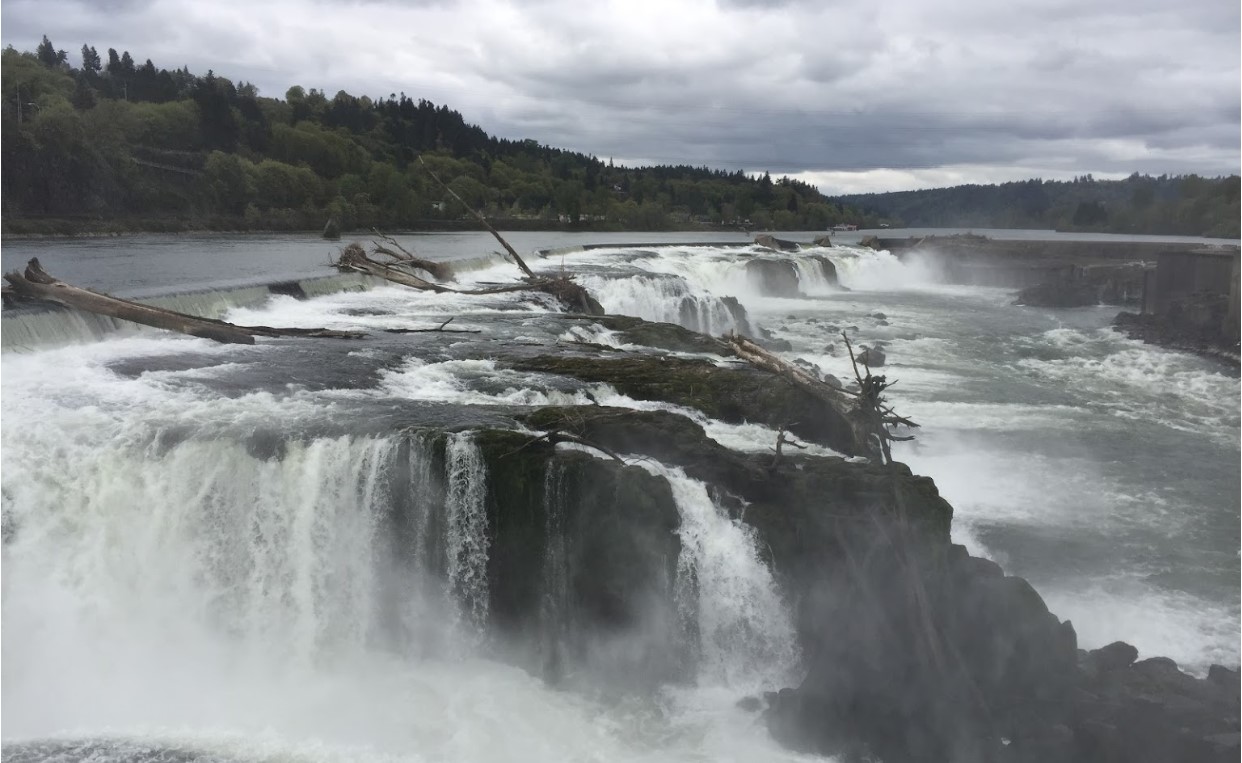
(851, 93)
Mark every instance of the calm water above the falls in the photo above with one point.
(170, 589)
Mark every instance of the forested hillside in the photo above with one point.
(116, 145)
(1182, 205)
(111, 144)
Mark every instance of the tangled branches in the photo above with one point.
(878, 416)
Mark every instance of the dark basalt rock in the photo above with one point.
(616, 546)
(733, 394)
(915, 650)
(1150, 711)
(1115, 656)
(872, 356)
(827, 268)
(665, 336)
(1193, 324)
(768, 241)
(774, 278)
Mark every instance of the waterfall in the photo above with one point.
(667, 299)
(865, 269)
(727, 595)
(555, 607)
(467, 527)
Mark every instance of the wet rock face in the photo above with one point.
(827, 268)
(1194, 324)
(1149, 711)
(582, 555)
(732, 394)
(774, 278)
(664, 336)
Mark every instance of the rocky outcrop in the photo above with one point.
(872, 356)
(1112, 284)
(768, 241)
(773, 278)
(734, 394)
(914, 650)
(826, 267)
(1195, 324)
(582, 555)
(1149, 711)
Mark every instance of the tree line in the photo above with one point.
(111, 143)
(1187, 205)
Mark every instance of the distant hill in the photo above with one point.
(114, 145)
(1186, 205)
(117, 145)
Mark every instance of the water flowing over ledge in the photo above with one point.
(235, 550)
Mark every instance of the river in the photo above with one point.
(172, 594)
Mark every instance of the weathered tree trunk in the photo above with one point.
(838, 399)
(354, 258)
(517, 258)
(36, 283)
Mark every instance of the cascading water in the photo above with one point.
(727, 595)
(667, 299)
(467, 528)
(236, 600)
(180, 585)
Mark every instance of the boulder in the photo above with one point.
(823, 239)
(769, 241)
(872, 356)
(1115, 656)
(773, 278)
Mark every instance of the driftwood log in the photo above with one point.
(870, 417)
(517, 258)
(441, 271)
(37, 283)
(569, 292)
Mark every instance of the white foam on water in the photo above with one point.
(1140, 382)
(1193, 631)
(746, 636)
(863, 269)
(450, 382)
(595, 334)
(663, 299)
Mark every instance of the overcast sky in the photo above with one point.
(851, 95)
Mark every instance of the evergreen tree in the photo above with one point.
(90, 60)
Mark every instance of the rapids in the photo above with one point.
(199, 561)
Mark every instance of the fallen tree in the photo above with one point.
(37, 283)
(870, 417)
(401, 271)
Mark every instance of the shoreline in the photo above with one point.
(885, 235)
